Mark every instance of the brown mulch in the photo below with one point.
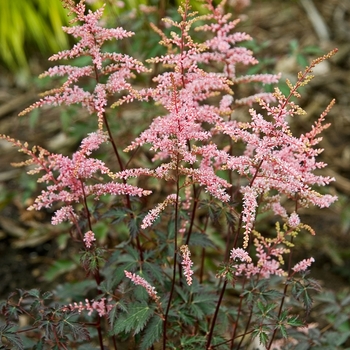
(274, 24)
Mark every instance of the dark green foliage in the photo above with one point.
(152, 332)
(9, 339)
(134, 319)
(301, 290)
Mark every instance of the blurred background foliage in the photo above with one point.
(29, 26)
(32, 27)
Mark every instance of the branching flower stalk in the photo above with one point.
(303, 155)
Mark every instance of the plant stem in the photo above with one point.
(284, 295)
(213, 321)
(175, 257)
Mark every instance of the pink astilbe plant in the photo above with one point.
(218, 177)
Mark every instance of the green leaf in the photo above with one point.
(134, 225)
(192, 342)
(283, 331)
(115, 311)
(34, 293)
(119, 215)
(39, 345)
(201, 240)
(154, 270)
(262, 333)
(186, 319)
(205, 303)
(337, 338)
(77, 330)
(47, 295)
(8, 332)
(152, 332)
(294, 321)
(182, 293)
(58, 268)
(307, 301)
(135, 319)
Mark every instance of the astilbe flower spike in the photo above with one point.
(140, 281)
(89, 238)
(110, 71)
(303, 265)
(102, 307)
(269, 254)
(68, 177)
(275, 160)
(222, 49)
(179, 137)
(187, 263)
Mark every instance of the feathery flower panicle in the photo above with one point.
(89, 238)
(270, 257)
(277, 161)
(140, 281)
(181, 137)
(293, 220)
(303, 265)
(222, 49)
(186, 263)
(241, 254)
(117, 68)
(69, 177)
(155, 212)
(102, 307)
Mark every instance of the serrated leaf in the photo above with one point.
(192, 342)
(39, 345)
(8, 332)
(154, 270)
(77, 330)
(118, 215)
(152, 332)
(307, 301)
(133, 226)
(132, 252)
(186, 319)
(294, 321)
(262, 333)
(47, 295)
(182, 293)
(136, 319)
(34, 293)
(201, 240)
(283, 331)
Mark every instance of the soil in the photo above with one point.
(26, 242)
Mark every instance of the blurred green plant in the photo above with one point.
(303, 54)
(28, 26)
